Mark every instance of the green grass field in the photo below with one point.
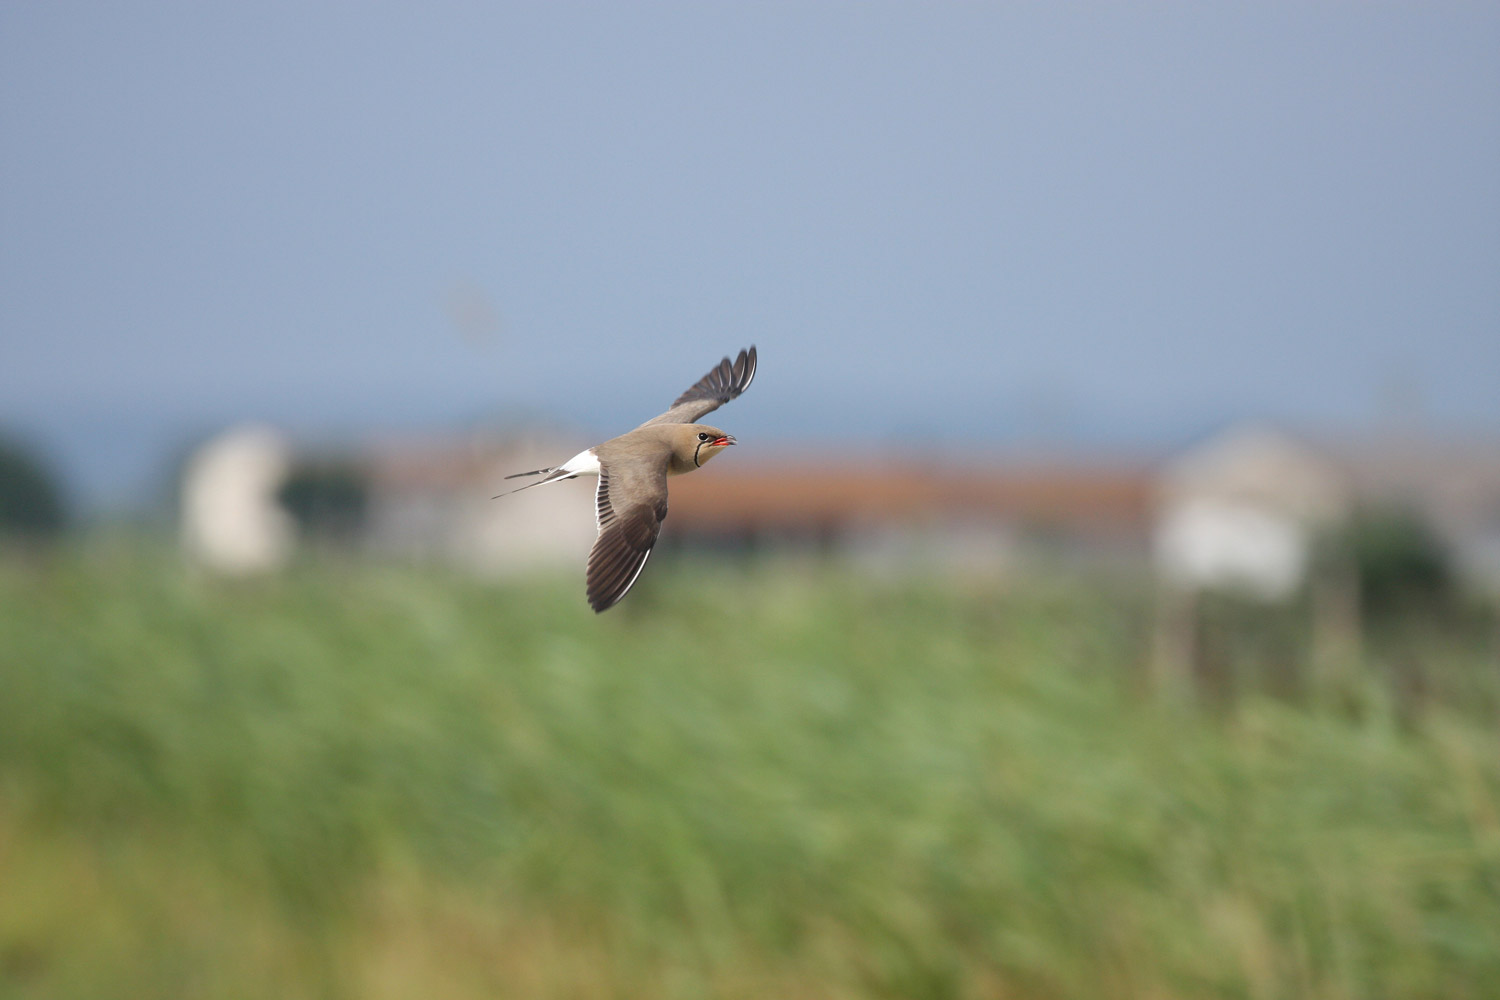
(357, 781)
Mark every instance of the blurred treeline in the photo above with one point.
(32, 504)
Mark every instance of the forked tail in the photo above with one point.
(583, 463)
(533, 472)
(554, 475)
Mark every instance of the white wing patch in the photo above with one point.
(603, 512)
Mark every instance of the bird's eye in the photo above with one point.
(702, 437)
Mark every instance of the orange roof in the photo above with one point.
(800, 493)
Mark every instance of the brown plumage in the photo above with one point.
(631, 501)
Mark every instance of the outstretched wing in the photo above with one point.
(629, 511)
(724, 382)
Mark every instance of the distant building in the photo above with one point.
(1244, 508)
(433, 499)
(1451, 483)
(231, 520)
(1242, 511)
(901, 515)
(426, 499)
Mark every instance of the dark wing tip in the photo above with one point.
(613, 569)
(725, 381)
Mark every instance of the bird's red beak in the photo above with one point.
(724, 441)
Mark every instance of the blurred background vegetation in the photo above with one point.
(757, 777)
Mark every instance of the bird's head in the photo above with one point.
(697, 443)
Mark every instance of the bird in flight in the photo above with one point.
(631, 501)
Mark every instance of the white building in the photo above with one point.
(1242, 511)
(231, 520)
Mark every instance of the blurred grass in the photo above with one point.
(356, 781)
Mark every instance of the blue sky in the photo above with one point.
(1108, 224)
